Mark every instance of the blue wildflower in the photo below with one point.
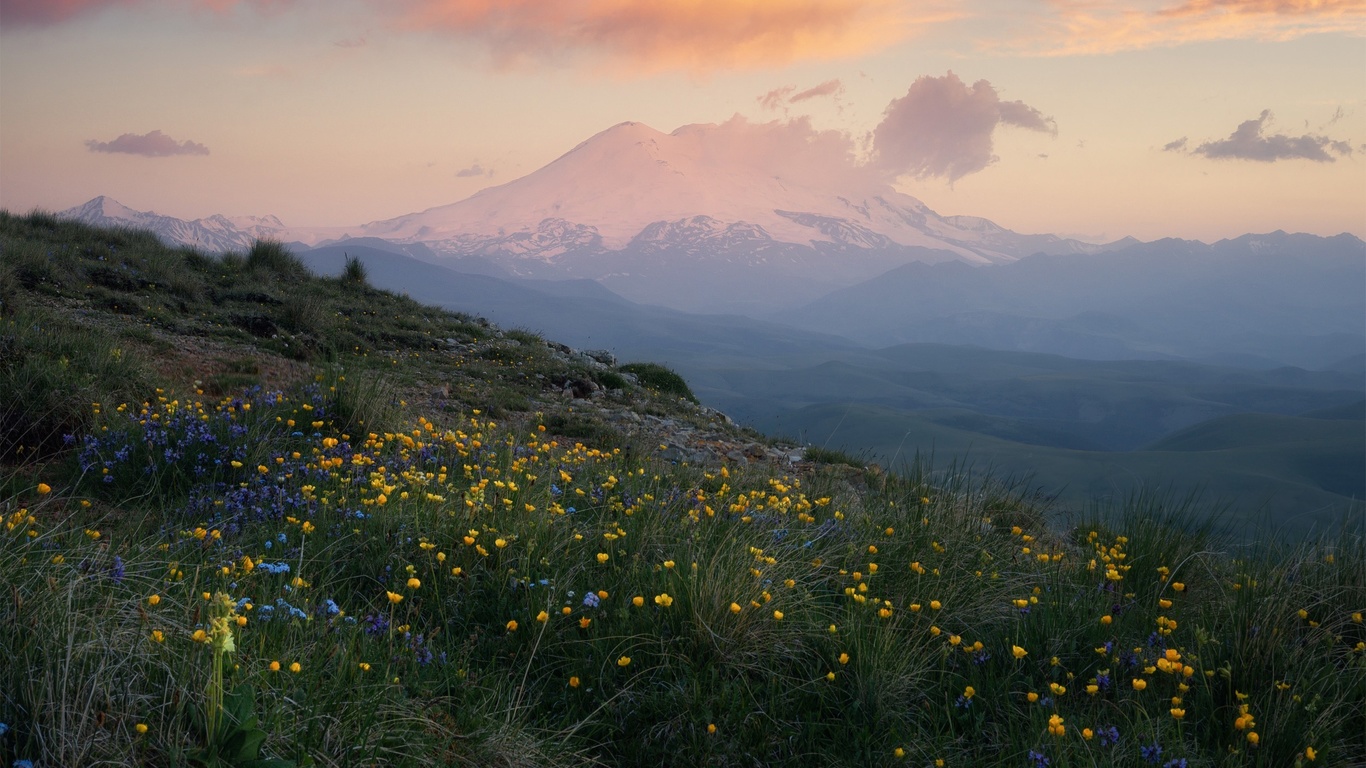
(1152, 752)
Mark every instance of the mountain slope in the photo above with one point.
(582, 313)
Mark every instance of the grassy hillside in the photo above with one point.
(383, 534)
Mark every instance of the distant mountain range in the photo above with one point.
(668, 219)
(1255, 301)
(215, 233)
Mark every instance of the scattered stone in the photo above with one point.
(602, 356)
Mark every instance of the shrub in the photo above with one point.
(355, 272)
(821, 455)
(659, 378)
(272, 257)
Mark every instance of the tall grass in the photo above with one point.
(480, 594)
(51, 371)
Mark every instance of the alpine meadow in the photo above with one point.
(682, 383)
(257, 517)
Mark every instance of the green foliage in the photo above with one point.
(354, 272)
(523, 336)
(363, 402)
(238, 742)
(578, 426)
(831, 456)
(51, 370)
(609, 379)
(659, 378)
(272, 258)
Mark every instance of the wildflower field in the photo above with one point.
(300, 576)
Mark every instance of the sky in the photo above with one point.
(1095, 119)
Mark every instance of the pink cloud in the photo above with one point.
(153, 144)
(47, 12)
(1081, 27)
(36, 12)
(792, 150)
(626, 37)
(1249, 141)
(827, 88)
(942, 127)
(695, 35)
(775, 98)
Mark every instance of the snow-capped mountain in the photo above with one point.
(213, 234)
(736, 217)
(687, 220)
(631, 181)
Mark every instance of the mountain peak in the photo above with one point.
(214, 233)
(102, 205)
(622, 180)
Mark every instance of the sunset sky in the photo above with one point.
(1089, 118)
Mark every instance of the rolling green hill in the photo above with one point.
(1273, 473)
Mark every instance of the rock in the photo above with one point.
(582, 388)
(602, 356)
(260, 326)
